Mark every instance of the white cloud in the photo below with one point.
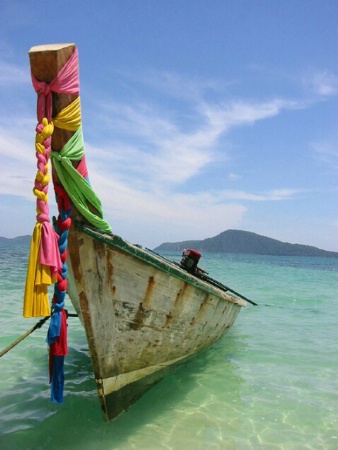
(236, 113)
(130, 210)
(325, 83)
(18, 162)
(268, 196)
(181, 87)
(234, 176)
(327, 153)
(161, 149)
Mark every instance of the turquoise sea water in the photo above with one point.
(270, 383)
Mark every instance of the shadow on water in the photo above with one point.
(33, 422)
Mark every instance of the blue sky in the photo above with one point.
(198, 116)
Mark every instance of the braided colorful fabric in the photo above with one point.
(44, 260)
(48, 257)
(57, 332)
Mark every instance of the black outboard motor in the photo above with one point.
(190, 259)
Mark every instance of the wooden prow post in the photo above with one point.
(46, 61)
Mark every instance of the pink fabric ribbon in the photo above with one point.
(49, 249)
(66, 82)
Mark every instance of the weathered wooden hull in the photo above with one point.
(141, 314)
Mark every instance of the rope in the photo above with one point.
(21, 338)
(30, 331)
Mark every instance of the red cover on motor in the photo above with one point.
(194, 254)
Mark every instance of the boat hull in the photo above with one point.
(142, 315)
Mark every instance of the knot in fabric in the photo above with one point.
(43, 88)
(56, 156)
(57, 307)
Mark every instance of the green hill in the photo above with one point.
(19, 240)
(236, 241)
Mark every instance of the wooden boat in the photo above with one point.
(142, 313)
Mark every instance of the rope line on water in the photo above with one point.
(30, 331)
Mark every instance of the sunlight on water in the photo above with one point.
(271, 383)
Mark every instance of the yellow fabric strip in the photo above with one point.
(70, 117)
(38, 278)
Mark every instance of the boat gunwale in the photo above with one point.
(156, 261)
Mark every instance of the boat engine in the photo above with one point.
(190, 259)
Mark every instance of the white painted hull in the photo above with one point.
(141, 314)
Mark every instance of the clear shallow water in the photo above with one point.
(270, 383)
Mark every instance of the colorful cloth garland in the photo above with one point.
(48, 256)
(44, 260)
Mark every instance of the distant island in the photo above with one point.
(230, 241)
(19, 240)
(245, 242)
